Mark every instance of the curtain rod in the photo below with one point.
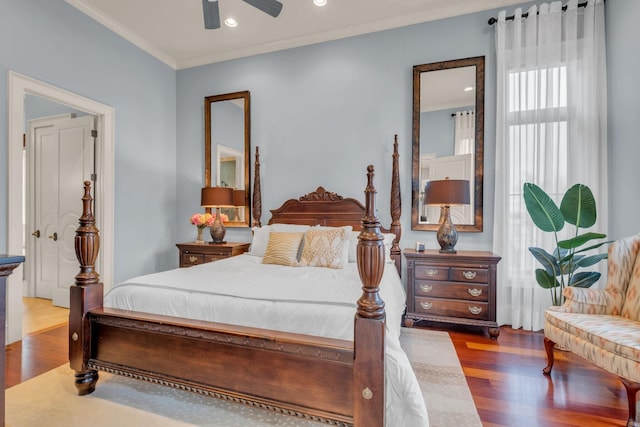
(493, 20)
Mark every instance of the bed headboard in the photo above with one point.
(320, 207)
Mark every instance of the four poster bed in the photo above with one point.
(304, 351)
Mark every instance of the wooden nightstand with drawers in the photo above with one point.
(455, 288)
(198, 253)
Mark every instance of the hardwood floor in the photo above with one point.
(509, 389)
(40, 313)
(504, 375)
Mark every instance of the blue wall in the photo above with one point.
(55, 43)
(320, 115)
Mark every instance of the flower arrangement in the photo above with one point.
(202, 220)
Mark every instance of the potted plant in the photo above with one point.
(560, 268)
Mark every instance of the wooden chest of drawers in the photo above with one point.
(452, 288)
(199, 253)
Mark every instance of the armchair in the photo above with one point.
(603, 325)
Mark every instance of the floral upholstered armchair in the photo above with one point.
(603, 325)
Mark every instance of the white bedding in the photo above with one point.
(309, 300)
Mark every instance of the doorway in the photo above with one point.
(60, 149)
(18, 88)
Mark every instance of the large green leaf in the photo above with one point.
(591, 260)
(548, 261)
(545, 280)
(579, 206)
(584, 279)
(580, 240)
(542, 209)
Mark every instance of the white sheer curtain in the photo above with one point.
(550, 130)
(465, 131)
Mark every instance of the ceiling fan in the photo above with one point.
(211, 10)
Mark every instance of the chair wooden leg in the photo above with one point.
(548, 346)
(632, 389)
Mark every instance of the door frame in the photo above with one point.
(18, 86)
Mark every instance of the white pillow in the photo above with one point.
(289, 228)
(260, 240)
(388, 244)
(353, 244)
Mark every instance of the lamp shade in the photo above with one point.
(238, 198)
(447, 192)
(216, 197)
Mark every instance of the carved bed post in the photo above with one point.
(85, 295)
(370, 319)
(256, 210)
(396, 209)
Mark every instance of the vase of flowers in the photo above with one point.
(201, 221)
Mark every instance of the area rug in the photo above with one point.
(50, 399)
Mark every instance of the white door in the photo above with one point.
(62, 157)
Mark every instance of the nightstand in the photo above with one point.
(193, 253)
(455, 288)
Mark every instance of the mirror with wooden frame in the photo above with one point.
(448, 138)
(227, 146)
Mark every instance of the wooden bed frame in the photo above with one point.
(334, 381)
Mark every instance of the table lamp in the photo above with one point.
(238, 202)
(217, 197)
(447, 192)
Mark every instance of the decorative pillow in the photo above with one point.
(283, 248)
(353, 245)
(261, 236)
(260, 240)
(325, 248)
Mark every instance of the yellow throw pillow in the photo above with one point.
(325, 248)
(283, 248)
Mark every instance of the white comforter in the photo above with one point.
(308, 300)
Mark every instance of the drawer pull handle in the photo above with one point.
(475, 292)
(193, 258)
(426, 288)
(469, 274)
(426, 305)
(432, 272)
(475, 310)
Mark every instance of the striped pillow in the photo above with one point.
(283, 248)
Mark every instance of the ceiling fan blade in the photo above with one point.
(211, 13)
(270, 7)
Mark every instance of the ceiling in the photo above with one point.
(173, 30)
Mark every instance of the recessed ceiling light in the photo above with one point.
(319, 2)
(230, 22)
(468, 88)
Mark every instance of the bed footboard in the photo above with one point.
(335, 381)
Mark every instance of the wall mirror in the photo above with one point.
(227, 149)
(448, 138)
